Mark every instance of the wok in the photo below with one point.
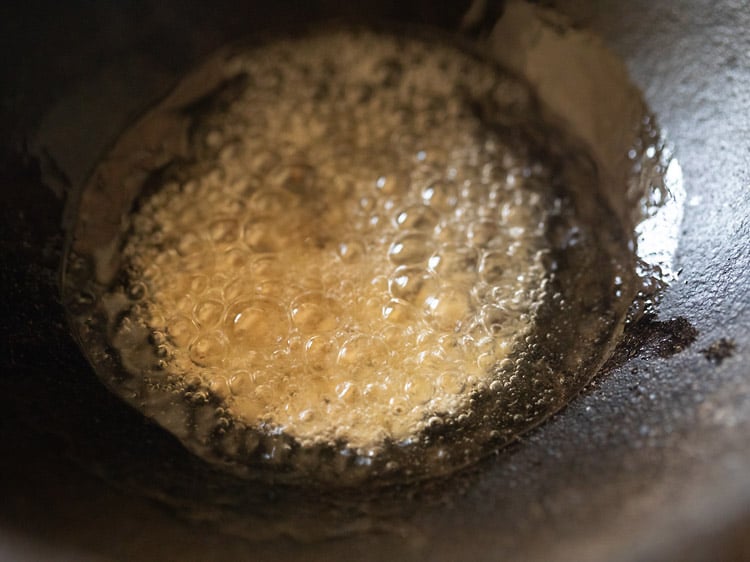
(651, 462)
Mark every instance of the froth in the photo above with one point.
(354, 248)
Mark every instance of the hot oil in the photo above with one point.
(371, 259)
(357, 259)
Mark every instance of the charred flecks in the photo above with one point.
(653, 338)
(721, 349)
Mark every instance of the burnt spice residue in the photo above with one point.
(653, 338)
(719, 350)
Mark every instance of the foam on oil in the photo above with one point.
(355, 261)
(364, 264)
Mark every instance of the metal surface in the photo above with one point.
(651, 462)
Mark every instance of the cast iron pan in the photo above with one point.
(651, 462)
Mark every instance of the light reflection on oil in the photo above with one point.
(658, 234)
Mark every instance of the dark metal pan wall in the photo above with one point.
(651, 462)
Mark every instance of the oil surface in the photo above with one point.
(367, 257)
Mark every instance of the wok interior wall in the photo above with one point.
(651, 461)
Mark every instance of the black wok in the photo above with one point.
(651, 462)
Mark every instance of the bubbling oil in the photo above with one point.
(344, 273)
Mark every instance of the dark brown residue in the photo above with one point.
(652, 338)
(719, 350)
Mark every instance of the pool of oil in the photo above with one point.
(347, 257)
